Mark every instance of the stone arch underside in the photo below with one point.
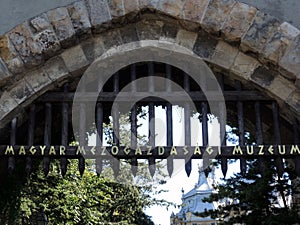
(231, 37)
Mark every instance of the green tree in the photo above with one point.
(254, 199)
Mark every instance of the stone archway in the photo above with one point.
(63, 42)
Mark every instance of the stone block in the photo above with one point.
(281, 88)
(297, 82)
(74, 58)
(7, 104)
(80, 19)
(238, 22)
(150, 4)
(99, 14)
(205, 45)
(98, 47)
(169, 32)
(291, 59)
(45, 36)
(224, 55)
(40, 23)
(278, 43)
(131, 6)
(37, 79)
(4, 72)
(149, 30)
(48, 43)
(294, 101)
(111, 39)
(10, 56)
(186, 38)
(216, 13)
(116, 8)
(21, 91)
(63, 26)
(15, 65)
(244, 66)
(171, 7)
(128, 34)
(56, 69)
(26, 45)
(262, 28)
(194, 10)
(263, 76)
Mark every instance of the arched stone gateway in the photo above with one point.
(230, 37)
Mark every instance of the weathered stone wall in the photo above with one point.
(15, 12)
(231, 36)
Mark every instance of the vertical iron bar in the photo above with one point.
(82, 136)
(240, 111)
(151, 88)
(133, 121)
(116, 125)
(11, 159)
(259, 135)
(169, 78)
(277, 136)
(99, 137)
(187, 124)
(31, 125)
(296, 141)
(151, 76)
(133, 138)
(152, 166)
(206, 162)
(47, 135)
(170, 163)
(133, 77)
(187, 136)
(224, 166)
(64, 133)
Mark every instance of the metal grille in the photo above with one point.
(46, 130)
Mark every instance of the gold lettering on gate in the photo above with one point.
(250, 150)
(52, 151)
(42, 148)
(127, 150)
(138, 151)
(114, 150)
(173, 151)
(9, 150)
(32, 150)
(149, 151)
(197, 150)
(237, 150)
(103, 152)
(261, 150)
(22, 150)
(186, 151)
(161, 150)
(295, 149)
(80, 150)
(281, 149)
(209, 150)
(93, 150)
(271, 150)
(62, 150)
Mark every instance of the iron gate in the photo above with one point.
(45, 130)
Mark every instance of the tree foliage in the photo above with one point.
(254, 199)
(74, 200)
